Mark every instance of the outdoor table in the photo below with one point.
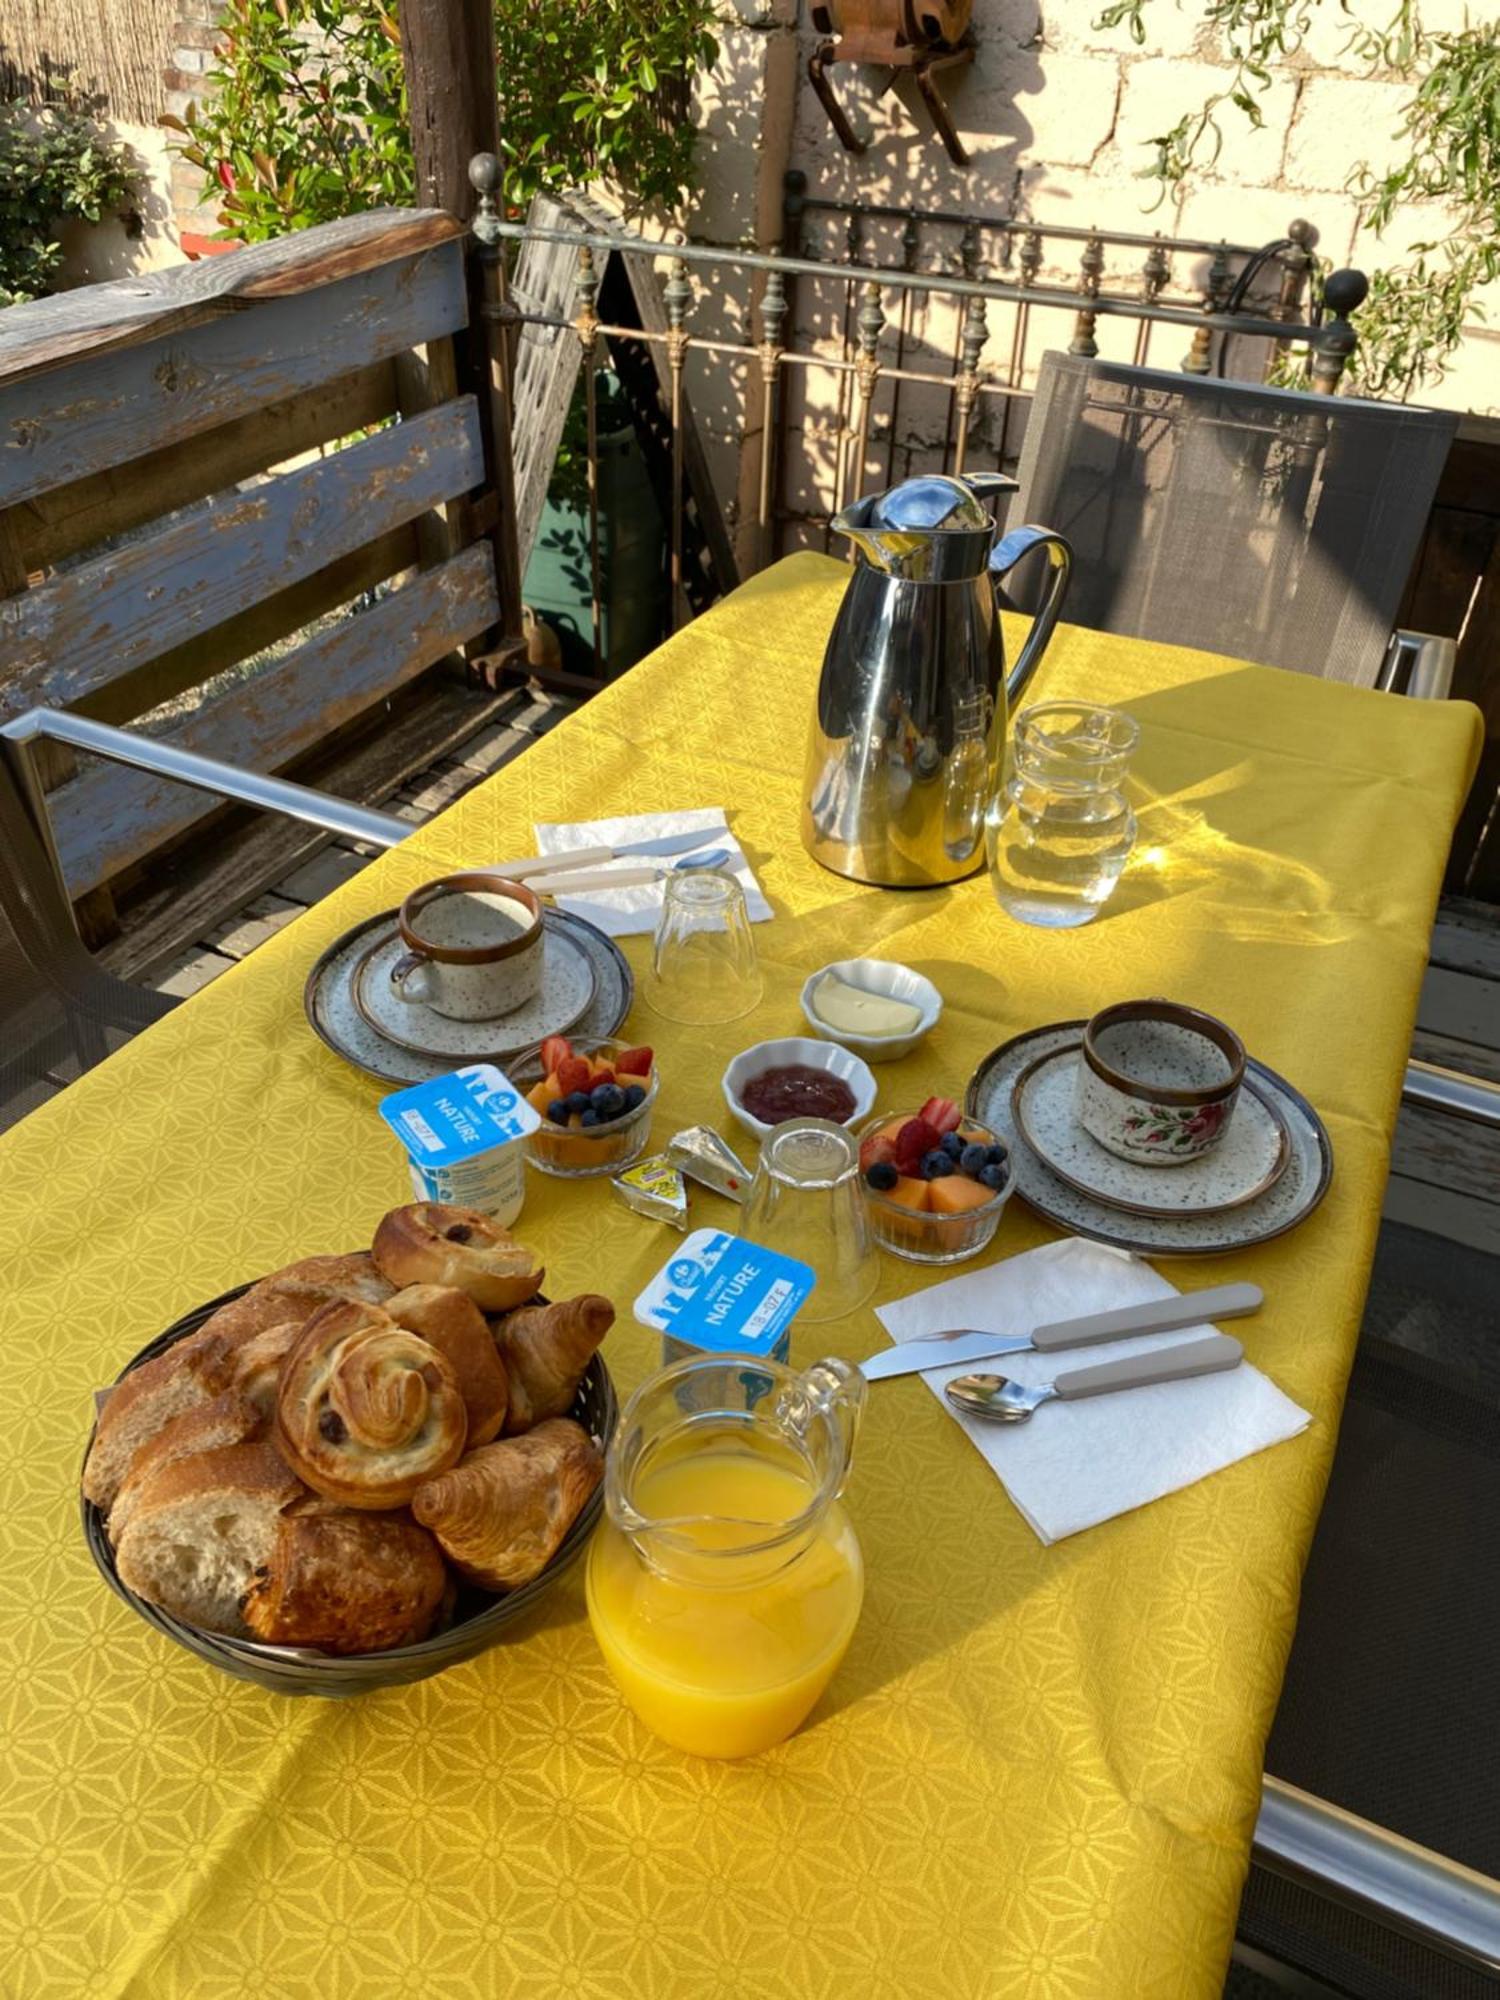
(1038, 1769)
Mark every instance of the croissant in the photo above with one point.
(366, 1410)
(455, 1326)
(434, 1243)
(545, 1350)
(502, 1514)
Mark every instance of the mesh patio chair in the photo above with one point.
(1266, 524)
(61, 1012)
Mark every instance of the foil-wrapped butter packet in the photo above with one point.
(703, 1156)
(656, 1188)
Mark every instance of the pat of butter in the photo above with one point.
(852, 1011)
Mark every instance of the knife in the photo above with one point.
(956, 1347)
(527, 865)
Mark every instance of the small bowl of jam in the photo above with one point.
(797, 1077)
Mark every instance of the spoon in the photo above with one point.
(1000, 1401)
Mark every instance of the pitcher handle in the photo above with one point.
(1006, 553)
(830, 1388)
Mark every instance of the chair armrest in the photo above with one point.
(1404, 1887)
(1419, 664)
(1427, 1087)
(166, 760)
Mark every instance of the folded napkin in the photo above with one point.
(1075, 1464)
(625, 912)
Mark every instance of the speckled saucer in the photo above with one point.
(566, 989)
(1251, 1156)
(328, 998)
(1302, 1185)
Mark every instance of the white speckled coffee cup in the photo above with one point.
(475, 946)
(1158, 1082)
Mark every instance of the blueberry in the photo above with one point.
(590, 1117)
(972, 1158)
(635, 1096)
(952, 1145)
(608, 1100)
(557, 1111)
(881, 1176)
(576, 1101)
(935, 1164)
(992, 1176)
(996, 1156)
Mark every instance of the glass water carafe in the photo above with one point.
(725, 1582)
(1060, 830)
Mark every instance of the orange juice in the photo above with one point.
(727, 1669)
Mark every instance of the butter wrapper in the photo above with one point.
(703, 1156)
(656, 1188)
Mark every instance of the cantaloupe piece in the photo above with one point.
(541, 1095)
(951, 1194)
(910, 1193)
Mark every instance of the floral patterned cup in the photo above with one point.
(1157, 1082)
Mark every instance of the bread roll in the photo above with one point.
(451, 1322)
(200, 1530)
(346, 1582)
(190, 1373)
(295, 1293)
(502, 1514)
(432, 1243)
(253, 1370)
(228, 1419)
(365, 1410)
(545, 1350)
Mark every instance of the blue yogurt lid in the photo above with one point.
(457, 1117)
(725, 1295)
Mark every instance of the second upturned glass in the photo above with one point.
(1059, 831)
(805, 1202)
(703, 966)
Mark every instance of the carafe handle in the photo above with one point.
(831, 1389)
(1006, 553)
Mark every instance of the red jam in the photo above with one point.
(797, 1090)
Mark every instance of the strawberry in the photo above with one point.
(633, 1062)
(555, 1052)
(573, 1073)
(601, 1072)
(876, 1147)
(942, 1114)
(915, 1138)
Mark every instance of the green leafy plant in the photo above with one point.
(55, 163)
(304, 116)
(1449, 167)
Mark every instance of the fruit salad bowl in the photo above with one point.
(934, 1182)
(594, 1097)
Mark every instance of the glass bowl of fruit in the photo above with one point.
(594, 1097)
(934, 1182)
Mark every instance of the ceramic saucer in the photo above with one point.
(566, 990)
(328, 998)
(1302, 1185)
(1250, 1158)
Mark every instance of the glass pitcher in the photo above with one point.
(725, 1582)
(1060, 830)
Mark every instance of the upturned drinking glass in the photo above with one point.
(805, 1202)
(704, 967)
(1059, 831)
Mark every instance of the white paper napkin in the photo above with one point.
(1075, 1464)
(626, 912)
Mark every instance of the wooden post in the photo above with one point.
(448, 49)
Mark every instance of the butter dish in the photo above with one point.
(882, 980)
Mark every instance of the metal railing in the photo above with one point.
(867, 359)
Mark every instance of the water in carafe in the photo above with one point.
(1060, 830)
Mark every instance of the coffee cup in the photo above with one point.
(1157, 1081)
(474, 946)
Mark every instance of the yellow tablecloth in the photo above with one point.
(1037, 1772)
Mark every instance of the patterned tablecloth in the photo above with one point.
(1037, 1771)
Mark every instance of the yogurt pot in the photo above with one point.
(721, 1294)
(464, 1136)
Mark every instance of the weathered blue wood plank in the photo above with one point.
(108, 816)
(109, 615)
(104, 410)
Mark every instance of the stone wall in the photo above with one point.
(1058, 117)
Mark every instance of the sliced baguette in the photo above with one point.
(139, 1408)
(223, 1420)
(201, 1531)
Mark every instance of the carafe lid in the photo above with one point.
(930, 529)
(932, 503)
